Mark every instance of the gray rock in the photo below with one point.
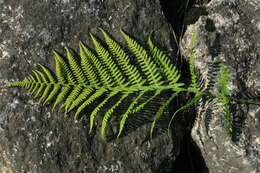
(230, 32)
(33, 139)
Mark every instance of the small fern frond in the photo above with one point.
(59, 68)
(91, 99)
(71, 98)
(191, 58)
(62, 95)
(223, 95)
(105, 77)
(142, 105)
(83, 95)
(54, 91)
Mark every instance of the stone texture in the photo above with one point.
(33, 139)
(229, 31)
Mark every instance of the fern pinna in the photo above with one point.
(108, 73)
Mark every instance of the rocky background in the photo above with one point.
(33, 139)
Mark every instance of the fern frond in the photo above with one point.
(142, 105)
(62, 95)
(41, 80)
(108, 72)
(71, 98)
(191, 58)
(105, 77)
(64, 69)
(83, 95)
(59, 71)
(224, 94)
(54, 91)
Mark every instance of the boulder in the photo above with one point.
(228, 31)
(34, 139)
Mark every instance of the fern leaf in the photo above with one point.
(54, 91)
(108, 72)
(142, 105)
(223, 95)
(48, 74)
(65, 69)
(104, 75)
(31, 83)
(59, 68)
(191, 58)
(62, 95)
(45, 93)
(42, 80)
(73, 95)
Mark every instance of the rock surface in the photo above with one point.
(33, 139)
(230, 32)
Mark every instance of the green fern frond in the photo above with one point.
(191, 58)
(109, 73)
(111, 77)
(223, 95)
